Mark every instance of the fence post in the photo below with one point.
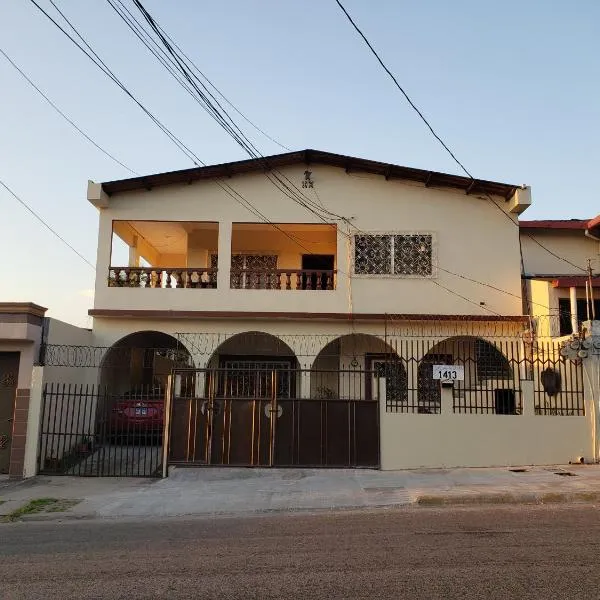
(446, 400)
(382, 398)
(167, 429)
(527, 398)
(591, 383)
(34, 420)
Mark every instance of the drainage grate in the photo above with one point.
(518, 470)
(565, 473)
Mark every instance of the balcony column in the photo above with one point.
(224, 256)
(574, 317)
(134, 253)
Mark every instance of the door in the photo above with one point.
(9, 372)
(317, 262)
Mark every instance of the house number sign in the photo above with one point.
(449, 372)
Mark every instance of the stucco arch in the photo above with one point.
(480, 357)
(253, 345)
(142, 358)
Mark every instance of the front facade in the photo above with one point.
(294, 311)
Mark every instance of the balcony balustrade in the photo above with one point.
(157, 277)
(282, 279)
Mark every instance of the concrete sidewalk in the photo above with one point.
(215, 491)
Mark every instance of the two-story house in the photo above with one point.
(308, 258)
(311, 309)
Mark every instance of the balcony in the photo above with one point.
(172, 254)
(164, 254)
(283, 256)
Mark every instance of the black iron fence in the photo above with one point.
(87, 431)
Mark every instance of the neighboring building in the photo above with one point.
(24, 330)
(561, 292)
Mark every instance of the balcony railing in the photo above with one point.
(282, 279)
(156, 277)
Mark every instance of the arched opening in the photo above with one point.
(487, 376)
(351, 365)
(142, 361)
(246, 362)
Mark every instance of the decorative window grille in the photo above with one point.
(491, 363)
(247, 268)
(413, 255)
(372, 254)
(394, 254)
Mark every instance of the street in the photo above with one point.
(494, 552)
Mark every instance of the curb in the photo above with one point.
(524, 498)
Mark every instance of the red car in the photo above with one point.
(138, 413)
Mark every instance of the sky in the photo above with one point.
(512, 86)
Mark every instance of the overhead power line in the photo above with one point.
(45, 224)
(95, 58)
(64, 116)
(438, 137)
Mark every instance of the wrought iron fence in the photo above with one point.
(557, 383)
(87, 431)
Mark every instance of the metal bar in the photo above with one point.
(167, 427)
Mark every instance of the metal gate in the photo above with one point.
(87, 431)
(274, 416)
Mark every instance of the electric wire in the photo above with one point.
(438, 137)
(63, 115)
(44, 223)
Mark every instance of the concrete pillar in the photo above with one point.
(223, 280)
(574, 319)
(134, 253)
(34, 420)
(447, 400)
(527, 399)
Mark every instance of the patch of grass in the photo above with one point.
(553, 498)
(40, 505)
(586, 496)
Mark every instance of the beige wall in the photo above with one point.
(450, 439)
(471, 238)
(570, 244)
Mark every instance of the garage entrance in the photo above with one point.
(263, 413)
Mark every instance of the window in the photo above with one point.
(564, 306)
(491, 363)
(247, 269)
(408, 255)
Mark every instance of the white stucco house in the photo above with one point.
(299, 310)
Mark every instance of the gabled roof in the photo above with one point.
(310, 157)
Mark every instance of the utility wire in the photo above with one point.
(216, 110)
(64, 116)
(93, 56)
(41, 220)
(438, 138)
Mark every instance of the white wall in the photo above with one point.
(451, 439)
(570, 244)
(472, 238)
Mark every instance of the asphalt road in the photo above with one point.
(516, 552)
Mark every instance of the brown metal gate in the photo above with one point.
(273, 416)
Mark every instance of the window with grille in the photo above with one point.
(247, 269)
(491, 363)
(408, 255)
